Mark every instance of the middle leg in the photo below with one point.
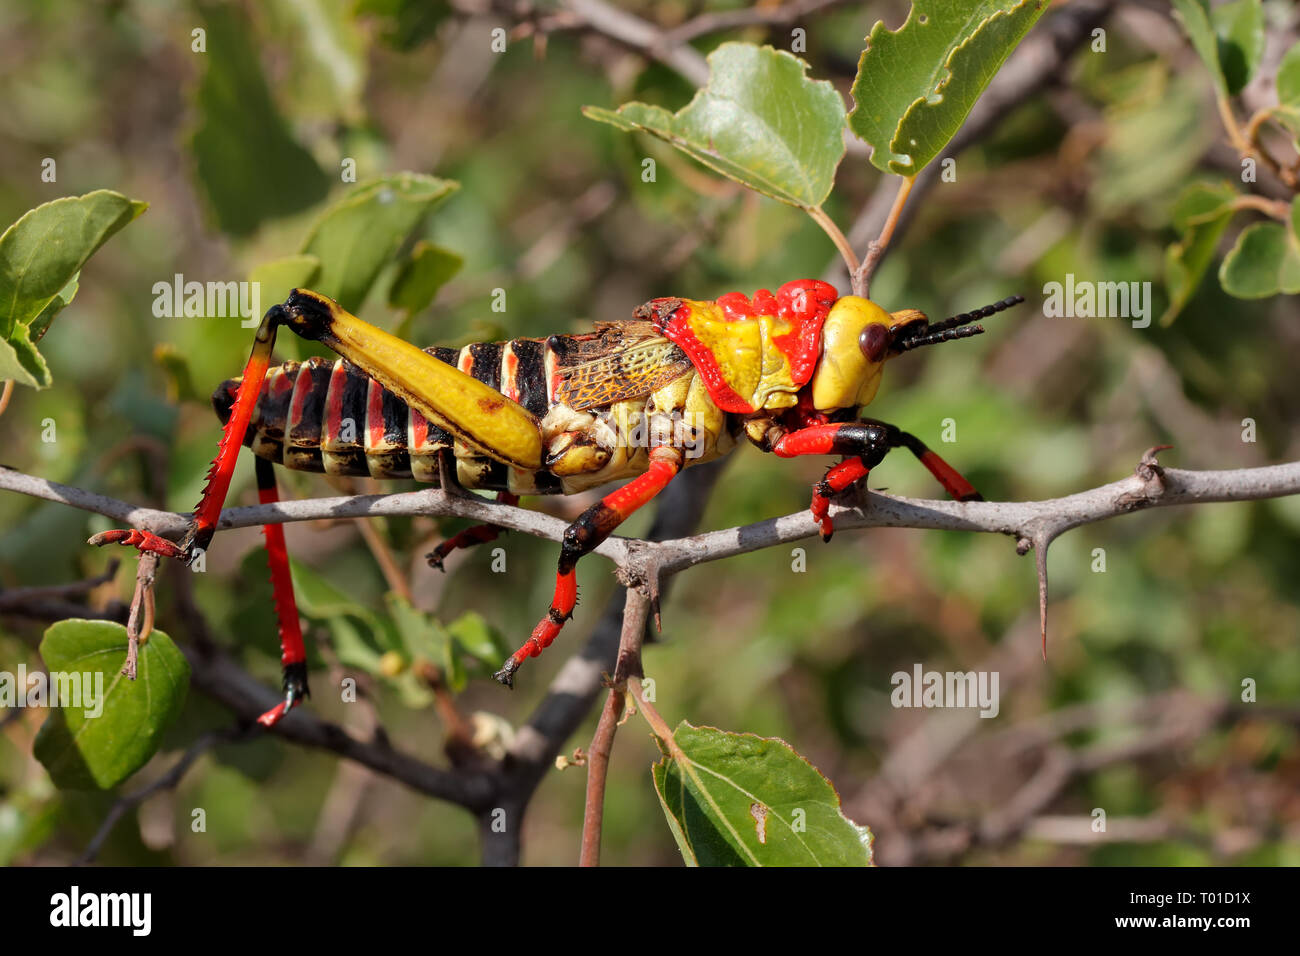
(585, 534)
(477, 534)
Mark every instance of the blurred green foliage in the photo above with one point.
(1084, 180)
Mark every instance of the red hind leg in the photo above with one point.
(585, 534)
(203, 524)
(293, 653)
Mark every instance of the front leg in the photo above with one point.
(867, 441)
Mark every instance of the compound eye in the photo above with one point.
(874, 342)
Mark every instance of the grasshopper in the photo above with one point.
(681, 382)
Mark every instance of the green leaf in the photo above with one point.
(424, 272)
(41, 256)
(742, 800)
(1288, 78)
(759, 121)
(1195, 17)
(423, 638)
(360, 636)
(915, 85)
(41, 324)
(1287, 112)
(247, 161)
(356, 237)
(1264, 262)
(277, 278)
(20, 361)
(82, 752)
(1201, 214)
(1240, 34)
(405, 24)
(318, 597)
(351, 645)
(327, 61)
(476, 637)
(1170, 122)
(476, 648)
(1229, 39)
(180, 379)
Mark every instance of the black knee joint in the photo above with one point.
(585, 535)
(308, 314)
(295, 679)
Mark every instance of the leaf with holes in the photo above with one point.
(760, 121)
(99, 741)
(741, 800)
(915, 85)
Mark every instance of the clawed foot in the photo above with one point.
(295, 691)
(146, 542)
(506, 675)
(821, 507)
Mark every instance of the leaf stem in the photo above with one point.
(656, 722)
(1239, 142)
(862, 275)
(841, 243)
(1248, 144)
(1275, 208)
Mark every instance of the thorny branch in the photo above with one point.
(1033, 523)
(635, 616)
(648, 563)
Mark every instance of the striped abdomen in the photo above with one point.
(329, 416)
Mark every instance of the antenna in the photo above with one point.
(957, 327)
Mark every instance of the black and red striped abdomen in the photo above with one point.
(329, 416)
